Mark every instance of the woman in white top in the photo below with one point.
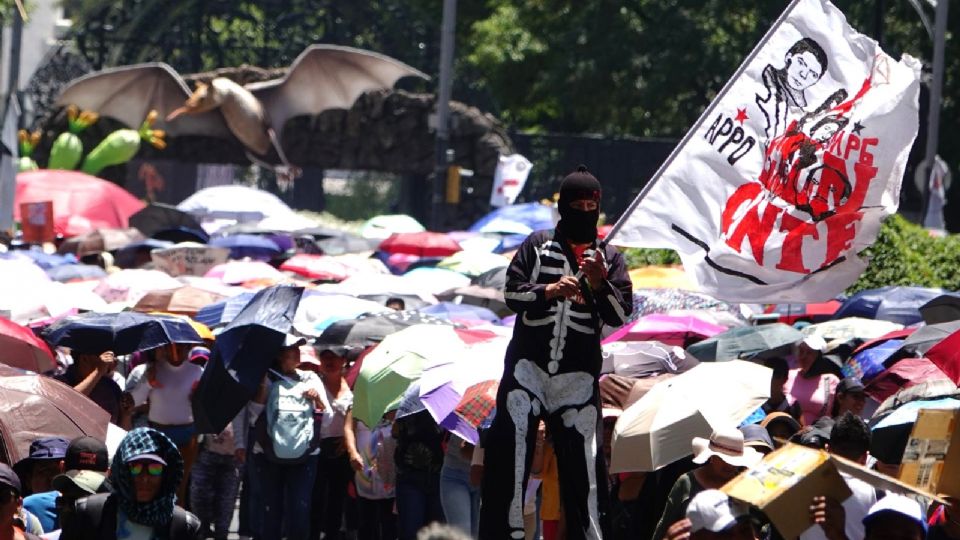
(333, 471)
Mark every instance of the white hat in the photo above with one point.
(726, 444)
(712, 510)
(895, 503)
(815, 342)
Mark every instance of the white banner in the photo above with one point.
(786, 177)
(509, 179)
(189, 260)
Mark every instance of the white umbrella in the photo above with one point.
(659, 428)
(851, 328)
(318, 311)
(235, 202)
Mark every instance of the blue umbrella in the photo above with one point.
(248, 245)
(70, 272)
(221, 313)
(410, 403)
(867, 364)
(533, 216)
(452, 311)
(510, 243)
(242, 354)
(122, 333)
(44, 260)
(890, 434)
(895, 304)
(129, 255)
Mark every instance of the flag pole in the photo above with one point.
(707, 113)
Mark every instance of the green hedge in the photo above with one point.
(904, 254)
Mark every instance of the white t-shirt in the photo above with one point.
(170, 402)
(335, 414)
(856, 507)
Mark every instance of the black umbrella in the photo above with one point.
(242, 354)
(921, 341)
(345, 243)
(749, 342)
(122, 333)
(944, 308)
(156, 217)
(371, 329)
(476, 295)
(495, 278)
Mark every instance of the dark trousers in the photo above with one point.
(329, 493)
(287, 494)
(418, 504)
(574, 424)
(213, 490)
(377, 520)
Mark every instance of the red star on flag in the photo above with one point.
(741, 115)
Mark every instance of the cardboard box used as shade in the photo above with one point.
(784, 484)
(931, 460)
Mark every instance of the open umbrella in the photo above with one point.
(421, 244)
(435, 280)
(641, 359)
(946, 356)
(346, 243)
(396, 362)
(98, 240)
(233, 201)
(236, 272)
(383, 226)
(868, 363)
(248, 245)
(460, 312)
(410, 402)
(924, 338)
(851, 328)
(316, 312)
(944, 308)
(156, 217)
(905, 373)
(184, 301)
(477, 405)
(220, 313)
(681, 330)
(895, 304)
(131, 284)
(319, 267)
(241, 356)
(889, 433)
(372, 329)
(473, 263)
(516, 218)
(647, 301)
(34, 406)
(747, 342)
(122, 333)
(81, 203)
(658, 428)
(814, 312)
(23, 349)
(476, 295)
(495, 278)
(75, 272)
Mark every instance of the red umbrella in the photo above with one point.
(904, 374)
(816, 312)
(323, 267)
(34, 406)
(22, 349)
(81, 203)
(946, 356)
(423, 244)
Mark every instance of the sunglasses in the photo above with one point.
(153, 469)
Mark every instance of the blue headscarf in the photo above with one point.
(159, 511)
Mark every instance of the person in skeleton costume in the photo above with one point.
(564, 289)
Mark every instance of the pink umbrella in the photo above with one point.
(423, 244)
(23, 349)
(680, 330)
(322, 267)
(234, 272)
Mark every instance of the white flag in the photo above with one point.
(787, 175)
(509, 179)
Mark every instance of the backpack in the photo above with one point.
(288, 430)
(96, 517)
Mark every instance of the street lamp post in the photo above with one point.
(443, 153)
(936, 97)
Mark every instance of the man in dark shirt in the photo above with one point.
(90, 375)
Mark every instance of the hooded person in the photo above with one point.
(141, 498)
(565, 288)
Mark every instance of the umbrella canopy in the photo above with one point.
(46, 261)
(183, 301)
(681, 330)
(242, 354)
(435, 280)
(647, 301)
(944, 308)
(346, 243)
(517, 219)
(34, 406)
(410, 402)
(396, 362)
(221, 313)
(495, 278)
(473, 263)
(76, 272)
(460, 312)
(372, 329)
(905, 373)
(248, 245)
(137, 254)
(815, 312)
(946, 356)
(476, 295)
(319, 267)
(478, 404)
(896, 304)
(156, 217)
(122, 333)
(890, 434)
(39, 303)
(381, 227)
(924, 338)
(868, 363)
(236, 272)
(130, 285)
(657, 429)
(234, 201)
(747, 342)
(98, 240)
(316, 312)
(23, 349)
(641, 359)
(421, 244)
(81, 203)
(851, 328)
(661, 277)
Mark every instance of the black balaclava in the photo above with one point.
(577, 225)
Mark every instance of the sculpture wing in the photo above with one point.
(128, 93)
(327, 77)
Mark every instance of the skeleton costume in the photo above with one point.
(551, 370)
